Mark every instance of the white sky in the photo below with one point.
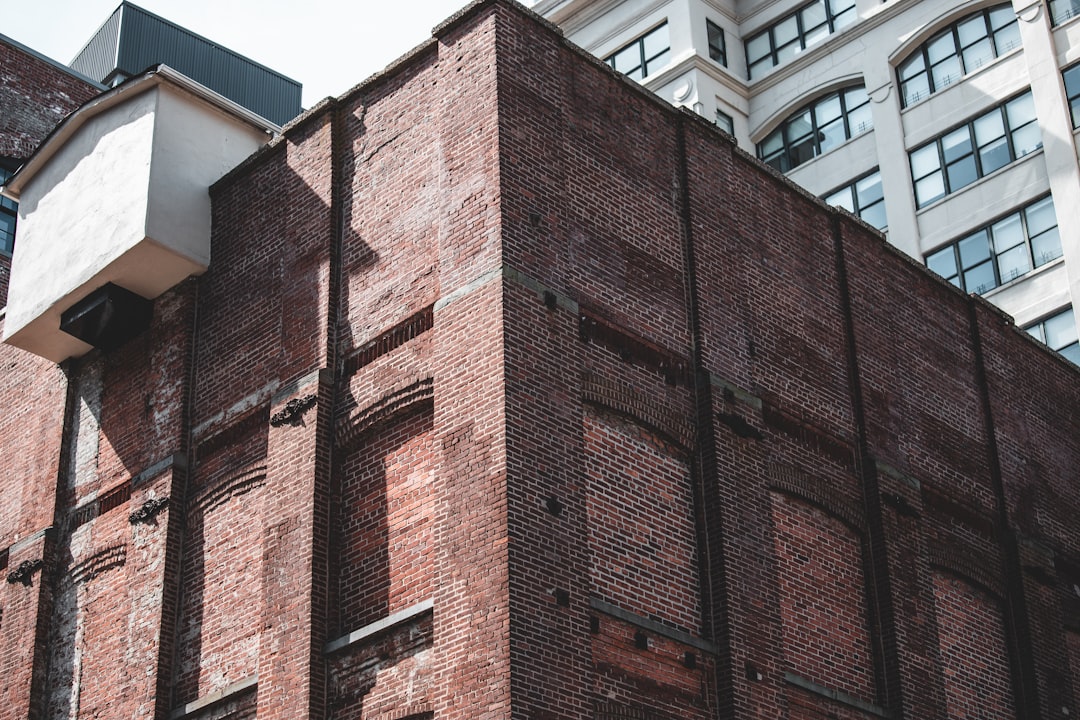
(328, 45)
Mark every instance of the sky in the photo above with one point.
(328, 45)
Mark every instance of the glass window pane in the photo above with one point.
(1013, 263)
(977, 55)
(1071, 353)
(994, 156)
(843, 19)
(1007, 38)
(1007, 233)
(860, 120)
(916, 89)
(627, 59)
(913, 66)
(827, 110)
(842, 198)
(868, 189)
(989, 128)
(832, 134)
(956, 144)
(980, 279)
(943, 262)
(656, 42)
(971, 30)
(946, 72)
(1046, 247)
(837, 7)
(1036, 331)
(875, 215)
(802, 150)
(1060, 330)
(655, 63)
(760, 68)
(1040, 216)
(758, 47)
(929, 189)
(785, 31)
(941, 47)
(961, 173)
(815, 35)
(1020, 111)
(1026, 139)
(1002, 16)
(717, 48)
(785, 53)
(974, 249)
(814, 15)
(925, 161)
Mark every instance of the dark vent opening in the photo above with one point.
(108, 317)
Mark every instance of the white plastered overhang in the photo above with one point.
(119, 193)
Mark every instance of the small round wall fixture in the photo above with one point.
(682, 92)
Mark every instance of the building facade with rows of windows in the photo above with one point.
(949, 125)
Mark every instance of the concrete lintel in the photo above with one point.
(214, 698)
(651, 625)
(379, 626)
(840, 697)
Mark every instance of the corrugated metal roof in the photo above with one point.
(133, 39)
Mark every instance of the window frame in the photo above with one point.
(803, 37)
(923, 53)
(856, 209)
(1073, 97)
(948, 159)
(10, 210)
(728, 125)
(787, 157)
(717, 43)
(1063, 16)
(643, 60)
(1069, 351)
(995, 256)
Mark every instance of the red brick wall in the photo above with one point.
(973, 654)
(384, 523)
(822, 599)
(501, 331)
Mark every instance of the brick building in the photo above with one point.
(512, 391)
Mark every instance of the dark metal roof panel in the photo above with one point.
(98, 58)
(143, 40)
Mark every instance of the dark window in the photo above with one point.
(646, 55)
(1059, 333)
(817, 128)
(793, 33)
(1062, 10)
(725, 122)
(9, 210)
(1001, 251)
(862, 198)
(967, 153)
(717, 46)
(1072, 89)
(961, 48)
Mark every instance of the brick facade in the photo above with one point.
(513, 392)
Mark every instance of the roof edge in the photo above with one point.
(154, 77)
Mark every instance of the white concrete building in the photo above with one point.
(949, 124)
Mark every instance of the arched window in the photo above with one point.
(959, 49)
(816, 128)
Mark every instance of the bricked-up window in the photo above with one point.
(1063, 10)
(796, 32)
(971, 638)
(8, 212)
(822, 598)
(1001, 251)
(817, 128)
(962, 48)
(644, 56)
(1072, 90)
(863, 198)
(1059, 333)
(725, 122)
(717, 45)
(977, 148)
